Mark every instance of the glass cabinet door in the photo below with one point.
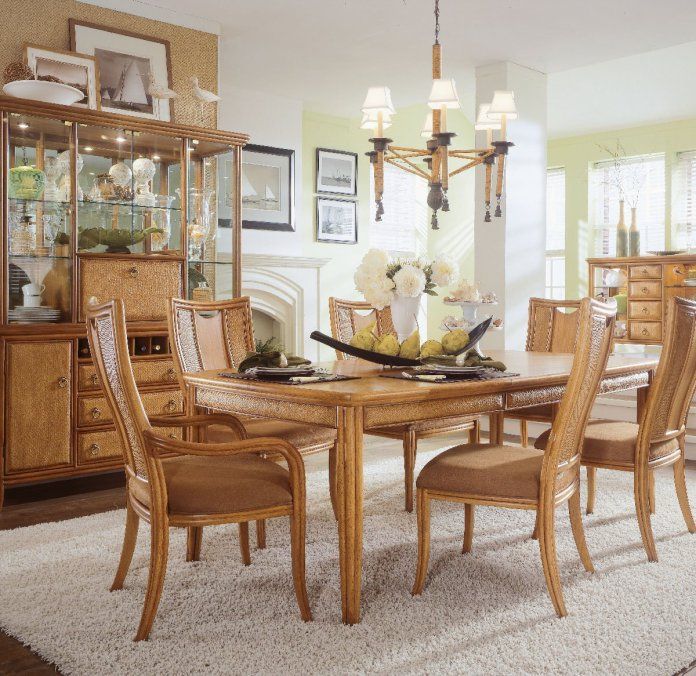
(39, 270)
(128, 192)
(212, 220)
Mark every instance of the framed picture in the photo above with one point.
(268, 188)
(337, 172)
(337, 221)
(129, 64)
(77, 70)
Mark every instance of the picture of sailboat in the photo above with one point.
(261, 187)
(124, 81)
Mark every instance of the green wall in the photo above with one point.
(456, 227)
(577, 153)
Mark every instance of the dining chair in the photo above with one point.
(552, 327)
(660, 438)
(217, 336)
(347, 318)
(183, 484)
(519, 478)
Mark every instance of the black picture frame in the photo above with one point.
(253, 219)
(337, 239)
(321, 187)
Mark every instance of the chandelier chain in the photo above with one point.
(437, 22)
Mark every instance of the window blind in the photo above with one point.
(684, 197)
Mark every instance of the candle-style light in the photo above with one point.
(377, 113)
(485, 123)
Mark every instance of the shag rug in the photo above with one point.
(481, 613)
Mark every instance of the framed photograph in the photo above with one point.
(337, 172)
(129, 64)
(77, 70)
(337, 221)
(268, 188)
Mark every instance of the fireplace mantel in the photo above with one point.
(273, 261)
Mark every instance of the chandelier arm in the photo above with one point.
(459, 170)
(472, 151)
(415, 172)
(408, 149)
(467, 156)
(411, 164)
(414, 154)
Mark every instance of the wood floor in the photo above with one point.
(81, 497)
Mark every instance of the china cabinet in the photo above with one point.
(642, 287)
(96, 206)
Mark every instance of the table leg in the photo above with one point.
(349, 499)
(496, 426)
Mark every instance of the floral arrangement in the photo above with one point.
(379, 278)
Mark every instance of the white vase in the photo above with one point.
(404, 311)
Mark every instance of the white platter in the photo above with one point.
(40, 90)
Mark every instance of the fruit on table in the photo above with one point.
(387, 344)
(431, 348)
(410, 348)
(454, 341)
(364, 339)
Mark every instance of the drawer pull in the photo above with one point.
(172, 436)
(94, 449)
(94, 379)
(645, 332)
(133, 272)
(645, 289)
(645, 271)
(62, 382)
(96, 413)
(171, 374)
(171, 406)
(644, 310)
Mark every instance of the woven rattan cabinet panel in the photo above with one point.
(144, 285)
(38, 387)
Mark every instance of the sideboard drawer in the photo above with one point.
(645, 271)
(650, 331)
(146, 372)
(98, 446)
(645, 309)
(145, 286)
(95, 410)
(646, 289)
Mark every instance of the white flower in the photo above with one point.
(378, 297)
(445, 270)
(375, 258)
(410, 281)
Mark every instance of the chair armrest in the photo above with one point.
(229, 421)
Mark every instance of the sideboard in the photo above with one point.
(98, 205)
(642, 286)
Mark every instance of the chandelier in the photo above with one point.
(378, 111)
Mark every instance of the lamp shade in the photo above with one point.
(503, 103)
(443, 93)
(427, 130)
(483, 121)
(378, 100)
(369, 121)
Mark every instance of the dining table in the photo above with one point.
(369, 400)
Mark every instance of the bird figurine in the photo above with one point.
(158, 91)
(203, 95)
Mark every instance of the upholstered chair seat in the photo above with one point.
(298, 434)
(613, 442)
(220, 485)
(507, 472)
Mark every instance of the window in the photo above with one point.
(555, 233)
(404, 225)
(643, 181)
(684, 190)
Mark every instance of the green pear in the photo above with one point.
(387, 344)
(364, 339)
(454, 341)
(431, 348)
(410, 348)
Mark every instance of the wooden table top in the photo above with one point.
(536, 369)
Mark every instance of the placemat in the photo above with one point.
(486, 374)
(325, 378)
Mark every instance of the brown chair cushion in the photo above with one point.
(301, 436)
(485, 470)
(612, 442)
(199, 485)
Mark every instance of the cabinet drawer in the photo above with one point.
(145, 286)
(95, 410)
(645, 271)
(645, 309)
(146, 372)
(106, 444)
(651, 331)
(646, 289)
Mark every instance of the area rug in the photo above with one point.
(481, 613)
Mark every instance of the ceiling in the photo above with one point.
(326, 52)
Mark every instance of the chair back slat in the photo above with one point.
(350, 316)
(106, 332)
(671, 392)
(552, 325)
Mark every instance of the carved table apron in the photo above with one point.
(355, 406)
